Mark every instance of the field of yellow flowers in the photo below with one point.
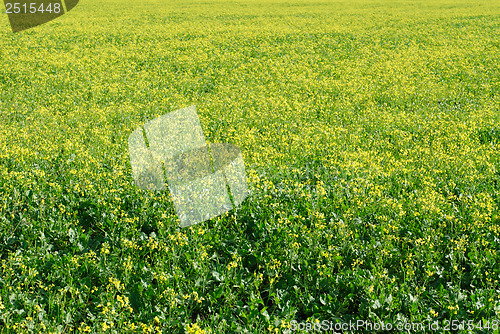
(370, 132)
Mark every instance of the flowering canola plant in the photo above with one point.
(370, 138)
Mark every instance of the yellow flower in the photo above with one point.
(195, 329)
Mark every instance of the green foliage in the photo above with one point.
(370, 136)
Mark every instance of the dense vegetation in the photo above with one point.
(370, 133)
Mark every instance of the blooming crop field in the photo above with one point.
(370, 133)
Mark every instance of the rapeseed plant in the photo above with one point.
(370, 137)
